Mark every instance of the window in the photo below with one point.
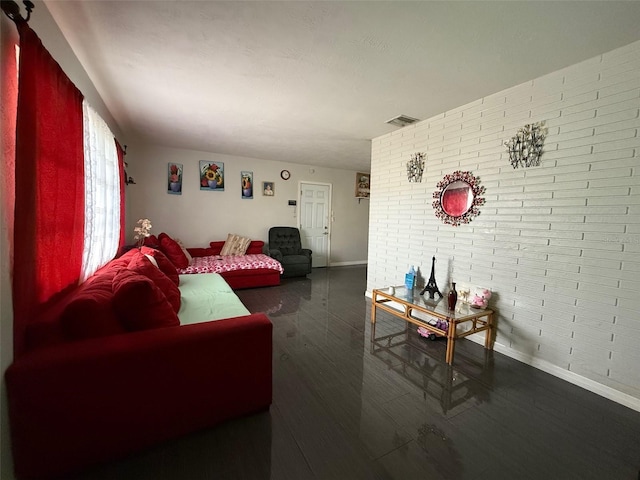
(102, 193)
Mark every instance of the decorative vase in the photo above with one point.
(452, 297)
(213, 184)
(174, 186)
(247, 192)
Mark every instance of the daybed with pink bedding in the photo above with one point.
(253, 269)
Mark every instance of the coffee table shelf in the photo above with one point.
(408, 304)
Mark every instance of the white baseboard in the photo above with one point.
(347, 264)
(571, 377)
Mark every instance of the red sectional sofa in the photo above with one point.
(242, 278)
(105, 378)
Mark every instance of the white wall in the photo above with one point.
(198, 217)
(559, 244)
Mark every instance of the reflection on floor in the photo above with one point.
(420, 361)
(347, 408)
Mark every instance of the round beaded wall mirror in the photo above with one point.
(458, 197)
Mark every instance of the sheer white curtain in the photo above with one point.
(102, 193)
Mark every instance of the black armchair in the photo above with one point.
(286, 247)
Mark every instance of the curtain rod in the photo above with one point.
(12, 10)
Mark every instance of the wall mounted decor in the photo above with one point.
(246, 178)
(211, 176)
(174, 179)
(415, 167)
(525, 148)
(268, 189)
(363, 185)
(458, 197)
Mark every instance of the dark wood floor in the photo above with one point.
(346, 409)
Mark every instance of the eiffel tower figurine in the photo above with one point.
(431, 286)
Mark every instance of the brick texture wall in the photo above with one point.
(558, 244)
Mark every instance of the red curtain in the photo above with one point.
(9, 101)
(122, 193)
(49, 193)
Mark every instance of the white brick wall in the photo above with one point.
(559, 244)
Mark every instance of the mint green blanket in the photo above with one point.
(205, 297)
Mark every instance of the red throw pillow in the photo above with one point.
(142, 265)
(151, 241)
(91, 311)
(173, 251)
(216, 247)
(140, 304)
(255, 247)
(164, 264)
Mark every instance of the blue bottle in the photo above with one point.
(410, 278)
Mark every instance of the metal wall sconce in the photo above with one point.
(415, 167)
(525, 148)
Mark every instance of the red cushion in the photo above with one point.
(140, 304)
(90, 313)
(173, 251)
(216, 247)
(151, 241)
(255, 247)
(142, 265)
(117, 263)
(164, 264)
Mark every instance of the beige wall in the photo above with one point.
(198, 217)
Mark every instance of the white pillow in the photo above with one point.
(235, 245)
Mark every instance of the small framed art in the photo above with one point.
(246, 179)
(362, 185)
(211, 176)
(174, 178)
(268, 189)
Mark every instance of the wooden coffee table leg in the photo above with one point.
(488, 337)
(373, 315)
(451, 342)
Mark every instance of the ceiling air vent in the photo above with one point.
(402, 120)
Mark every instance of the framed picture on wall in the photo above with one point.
(362, 185)
(268, 189)
(211, 176)
(246, 179)
(174, 179)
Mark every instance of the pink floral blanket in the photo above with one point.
(229, 263)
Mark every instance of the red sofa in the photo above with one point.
(237, 279)
(82, 395)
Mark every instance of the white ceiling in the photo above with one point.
(313, 82)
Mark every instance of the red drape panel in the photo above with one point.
(122, 194)
(9, 101)
(49, 203)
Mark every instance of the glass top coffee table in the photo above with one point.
(430, 314)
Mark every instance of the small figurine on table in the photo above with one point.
(481, 299)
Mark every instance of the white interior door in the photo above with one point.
(315, 205)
